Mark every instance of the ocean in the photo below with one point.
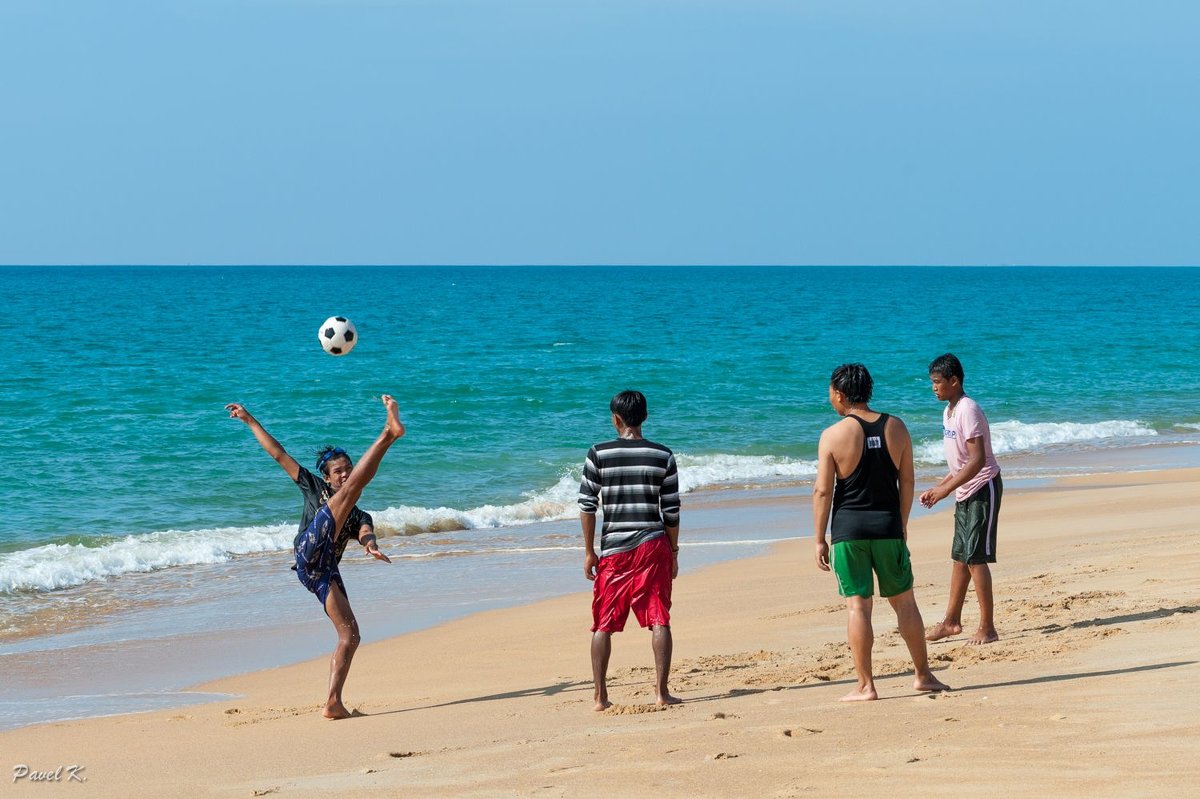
(133, 496)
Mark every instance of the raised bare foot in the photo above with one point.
(943, 629)
(394, 426)
(336, 711)
(982, 636)
(602, 704)
(861, 694)
(666, 699)
(929, 683)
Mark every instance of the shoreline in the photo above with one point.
(1097, 591)
(152, 654)
(140, 674)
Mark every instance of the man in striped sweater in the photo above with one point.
(637, 484)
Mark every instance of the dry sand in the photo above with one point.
(1090, 692)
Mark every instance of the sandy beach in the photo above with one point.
(1090, 691)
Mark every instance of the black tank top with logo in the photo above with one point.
(866, 504)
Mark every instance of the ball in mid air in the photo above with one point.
(337, 335)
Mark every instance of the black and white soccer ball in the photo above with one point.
(337, 335)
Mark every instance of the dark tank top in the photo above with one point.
(866, 504)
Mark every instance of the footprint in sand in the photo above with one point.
(800, 732)
(629, 710)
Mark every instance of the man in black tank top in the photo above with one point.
(865, 482)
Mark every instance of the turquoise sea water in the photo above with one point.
(145, 544)
(116, 378)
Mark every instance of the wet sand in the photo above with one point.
(1090, 690)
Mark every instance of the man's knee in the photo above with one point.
(859, 604)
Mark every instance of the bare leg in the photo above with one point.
(338, 608)
(662, 644)
(601, 650)
(981, 574)
(912, 630)
(960, 578)
(341, 503)
(336, 604)
(862, 638)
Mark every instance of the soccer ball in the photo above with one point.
(337, 335)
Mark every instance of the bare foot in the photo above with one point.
(395, 427)
(861, 694)
(943, 629)
(929, 683)
(336, 711)
(602, 704)
(666, 699)
(983, 636)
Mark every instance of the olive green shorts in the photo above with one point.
(975, 521)
(857, 562)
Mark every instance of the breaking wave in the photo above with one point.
(1014, 436)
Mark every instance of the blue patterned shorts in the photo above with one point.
(316, 556)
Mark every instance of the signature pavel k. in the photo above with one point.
(60, 774)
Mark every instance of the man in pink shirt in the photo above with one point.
(974, 479)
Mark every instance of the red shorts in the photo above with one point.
(638, 579)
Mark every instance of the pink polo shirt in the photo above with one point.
(967, 422)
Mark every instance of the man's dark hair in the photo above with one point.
(630, 406)
(853, 380)
(946, 366)
(327, 453)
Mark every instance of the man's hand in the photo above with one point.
(238, 411)
(822, 554)
(590, 563)
(933, 496)
(674, 564)
(372, 549)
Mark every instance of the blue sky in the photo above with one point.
(498, 131)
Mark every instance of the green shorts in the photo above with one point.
(975, 522)
(854, 561)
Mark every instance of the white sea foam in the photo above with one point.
(1014, 436)
(699, 471)
(57, 566)
(560, 500)
(53, 566)
(556, 502)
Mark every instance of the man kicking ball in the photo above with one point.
(330, 521)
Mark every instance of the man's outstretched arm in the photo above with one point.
(265, 439)
(976, 459)
(366, 534)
